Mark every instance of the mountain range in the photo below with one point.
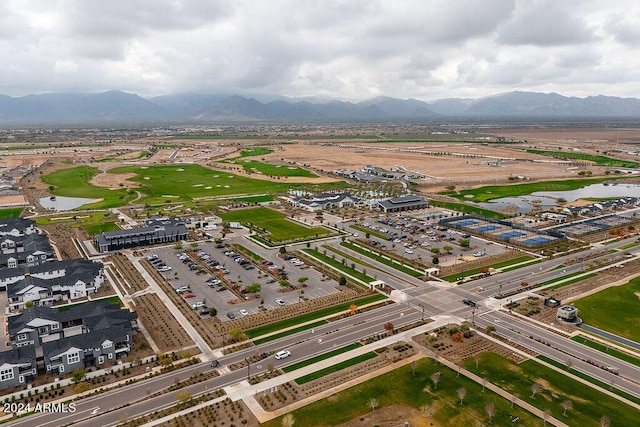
(116, 107)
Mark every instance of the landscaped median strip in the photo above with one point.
(347, 271)
(384, 259)
(313, 316)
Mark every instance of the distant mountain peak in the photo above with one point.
(115, 106)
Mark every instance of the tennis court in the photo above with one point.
(537, 240)
(487, 228)
(511, 234)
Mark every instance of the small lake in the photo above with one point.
(547, 199)
(64, 203)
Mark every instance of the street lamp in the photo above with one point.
(473, 316)
(422, 305)
(248, 368)
(298, 296)
(500, 291)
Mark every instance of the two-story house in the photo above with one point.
(17, 366)
(52, 281)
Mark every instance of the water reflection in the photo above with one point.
(58, 203)
(548, 199)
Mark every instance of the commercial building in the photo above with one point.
(403, 203)
(160, 231)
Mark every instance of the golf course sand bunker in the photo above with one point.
(113, 180)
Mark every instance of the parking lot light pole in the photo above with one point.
(248, 368)
(422, 305)
(298, 296)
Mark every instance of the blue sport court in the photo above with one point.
(466, 222)
(486, 228)
(537, 240)
(511, 234)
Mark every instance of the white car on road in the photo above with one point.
(283, 354)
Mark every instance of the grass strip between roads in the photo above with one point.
(391, 262)
(289, 332)
(591, 380)
(339, 266)
(606, 349)
(314, 315)
(371, 232)
(454, 277)
(335, 368)
(320, 357)
(569, 282)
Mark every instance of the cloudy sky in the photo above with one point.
(347, 49)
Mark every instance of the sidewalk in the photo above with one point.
(175, 311)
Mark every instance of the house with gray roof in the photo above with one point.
(39, 324)
(403, 203)
(27, 249)
(53, 281)
(17, 367)
(327, 201)
(91, 349)
(17, 227)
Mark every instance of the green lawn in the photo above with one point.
(289, 332)
(320, 357)
(275, 225)
(614, 309)
(388, 262)
(454, 277)
(338, 265)
(599, 160)
(484, 194)
(251, 166)
(74, 182)
(101, 228)
(10, 213)
(557, 388)
(335, 368)
(572, 281)
(314, 315)
(607, 349)
(469, 209)
(402, 387)
(179, 183)
(93, 222)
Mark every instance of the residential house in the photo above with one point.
(52, 281)
(17, 366)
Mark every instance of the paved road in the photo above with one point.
(421, 301)
(302, 346)
(562, 349)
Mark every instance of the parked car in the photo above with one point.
(197, 305)
(244, 312)
(230, 315)
(283, 354)
(280, 302)
(164, 268)
(182, 289)
(189, 295)
(469, 302)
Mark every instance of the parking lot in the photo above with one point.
(205, 276)
(414, 238)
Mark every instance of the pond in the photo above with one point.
(59, 203)
(547, 199)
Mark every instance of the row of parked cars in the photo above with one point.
(158, 263)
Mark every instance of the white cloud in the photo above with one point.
(345, 49)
